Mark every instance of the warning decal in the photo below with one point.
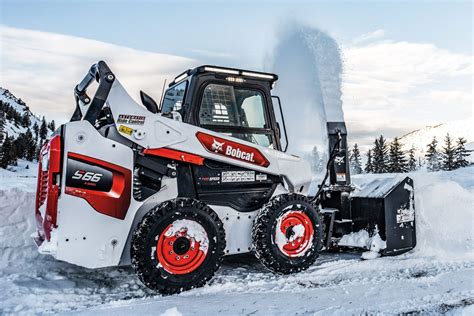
(238, 176)
(125, 129)
(131, 119)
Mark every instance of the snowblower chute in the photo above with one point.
(173, 187)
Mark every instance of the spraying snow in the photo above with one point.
(309, 66)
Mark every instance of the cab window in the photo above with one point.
(173, 99)
(239, 112)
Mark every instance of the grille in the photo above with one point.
(43, 187)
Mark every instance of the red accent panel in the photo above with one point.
(234, 150)
(113, 203)
(47, 190)
(175, 154)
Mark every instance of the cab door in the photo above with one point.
(242, 112)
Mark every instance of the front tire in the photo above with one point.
(287, 234)
(178, 246)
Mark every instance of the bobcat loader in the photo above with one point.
(172, 188)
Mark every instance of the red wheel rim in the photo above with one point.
(294, 233)
(182, 247)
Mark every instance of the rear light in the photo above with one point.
(48, 185)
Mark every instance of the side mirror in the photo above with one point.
(148, 102)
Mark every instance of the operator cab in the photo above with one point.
(231, 101)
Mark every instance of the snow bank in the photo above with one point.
(444, 214)
(15, 228)
(22, 176)
(444, 204)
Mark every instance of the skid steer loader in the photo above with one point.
(172, 188)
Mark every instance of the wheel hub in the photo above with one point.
(294, 233)
(182, 247)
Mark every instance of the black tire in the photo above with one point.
(264, 238)
(145, 246)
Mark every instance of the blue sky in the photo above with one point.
(237, 32)
(406, 64)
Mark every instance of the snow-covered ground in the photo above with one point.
(436, 277)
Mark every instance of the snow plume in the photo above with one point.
(309, 66)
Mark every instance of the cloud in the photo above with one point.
(43, 68)
(211, 54)
(367, 37)
(390, 86)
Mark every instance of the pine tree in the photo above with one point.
(316, 161)
(36, 130)
(43, 132)
(6, 152)
(396, 160)
(433, 156)
(379, 160)
(448, 154)
(2, 126)
(411, 165)
(369, 168)
(461, 153)
(25, 119)
(30, 146)
(14, 151)
(355, 161)
(52, 126)
(19, 146)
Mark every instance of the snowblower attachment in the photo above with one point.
(384, 206)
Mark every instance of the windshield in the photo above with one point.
(237, 112)
(230, 106)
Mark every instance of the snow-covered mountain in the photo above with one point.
(11, 126)
(420, 138)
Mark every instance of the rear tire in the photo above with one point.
(287, 234)
(178, 246)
